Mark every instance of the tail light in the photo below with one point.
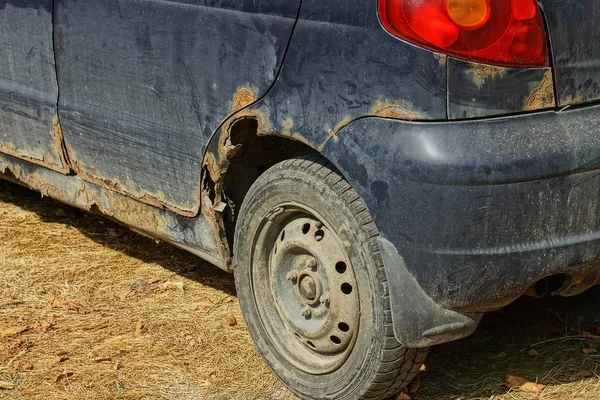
(499, 32)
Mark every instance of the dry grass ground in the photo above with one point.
(90, 310)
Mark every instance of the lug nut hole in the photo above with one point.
(319, 235)
(335, 339)
(346, 288)
(343, 327)
(305, 228)
(340, 267)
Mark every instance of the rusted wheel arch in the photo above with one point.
(243, 149)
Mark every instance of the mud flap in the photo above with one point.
(418, 320)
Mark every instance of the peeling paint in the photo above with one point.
(481, 73)
(543, 95)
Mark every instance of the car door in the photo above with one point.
(29, 126)
(144, 85)
(575, 43)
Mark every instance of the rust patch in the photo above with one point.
(111, 205)
(126, 190)
(288, 125)
(59, 144)
(442, 59)
(390, 109)
(543, 95)
(571, 99)
(38, 157)
(333, 133)
(214, 168)
(243, 97)
(481, 73)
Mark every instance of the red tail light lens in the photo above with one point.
(500, 32)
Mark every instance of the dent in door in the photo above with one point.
(29, 125)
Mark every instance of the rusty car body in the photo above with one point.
(482, 179)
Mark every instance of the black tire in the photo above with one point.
(373, 365)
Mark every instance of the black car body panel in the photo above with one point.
(156, 99)
(479, 90)
(480, 210)
(144, 84)
(575, 40)
(28, 88)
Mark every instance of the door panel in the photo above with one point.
(575, 41)
(29, 125)
(145, 84)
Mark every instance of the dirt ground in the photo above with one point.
(91, 310)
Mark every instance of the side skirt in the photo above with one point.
(194, 234)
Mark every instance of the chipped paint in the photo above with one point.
(288, 124)
(243, 97)
(543, 95)
(382, 108)
(481, 73)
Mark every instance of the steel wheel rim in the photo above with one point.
(305, 289)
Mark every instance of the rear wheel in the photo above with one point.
(312, 286)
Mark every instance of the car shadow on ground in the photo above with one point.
(551, 341)
(119, 238)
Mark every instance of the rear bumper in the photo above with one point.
(480, 210)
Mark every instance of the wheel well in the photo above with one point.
(256, 154)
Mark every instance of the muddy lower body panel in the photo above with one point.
(194, 234)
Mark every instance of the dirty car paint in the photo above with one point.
(29, 125)
(479, 90)
(328, 80)
(575, 40)
(144, 84)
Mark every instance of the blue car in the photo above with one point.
(376, 174)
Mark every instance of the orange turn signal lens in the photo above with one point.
(468, 14)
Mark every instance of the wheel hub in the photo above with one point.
(308, 287)
(314, 288)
